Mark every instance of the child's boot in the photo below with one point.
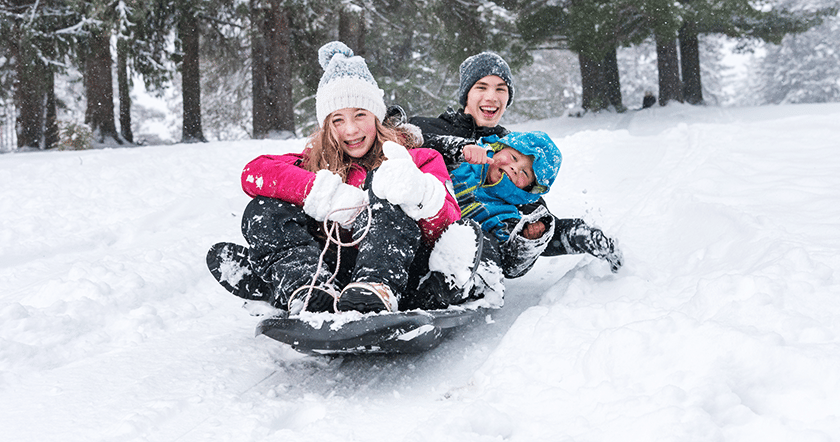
(366, 297)
(313, 298)
(593, 241)
(229, 264)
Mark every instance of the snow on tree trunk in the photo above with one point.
(594, 96)
(351, 28)
(51, 134)
(612, 81)
(600, 81)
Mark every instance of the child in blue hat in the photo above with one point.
(499, 174)
(504, 227)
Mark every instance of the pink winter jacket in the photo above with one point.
(283, 177)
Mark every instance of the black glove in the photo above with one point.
(593, 241)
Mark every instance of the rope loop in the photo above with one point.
(333, 233)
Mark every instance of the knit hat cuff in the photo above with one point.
(349, 92)
(479, 66)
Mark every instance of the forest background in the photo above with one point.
(80, 74)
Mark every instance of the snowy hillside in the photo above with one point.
(724, 324)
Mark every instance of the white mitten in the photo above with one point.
(330, 198)
(398, 180)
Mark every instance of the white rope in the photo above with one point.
(331, 229)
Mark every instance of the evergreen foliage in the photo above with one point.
(803, 68)
(413, 48)
(35, 39)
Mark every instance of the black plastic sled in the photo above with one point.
(400, 332)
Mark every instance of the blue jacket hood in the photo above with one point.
(537, 145)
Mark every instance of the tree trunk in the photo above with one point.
(29, 96)
(28, 87)
(279, 73)
(611, 80)
(258, 84)
(351, 28)
(594, 97)
(274, 106)
(123, 86)
(188, 32)
(670, 86)
(99, 87)
(690, 63)
(51, 120)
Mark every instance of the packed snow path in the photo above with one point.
(723, 325)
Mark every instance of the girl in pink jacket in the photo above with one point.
(381, 202)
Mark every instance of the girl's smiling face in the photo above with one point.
(518, 167)
(355, 130)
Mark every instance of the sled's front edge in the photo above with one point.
(404, 332)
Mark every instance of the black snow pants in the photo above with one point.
(286, 243)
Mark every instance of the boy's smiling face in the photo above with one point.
(518, 167)
(487, 100)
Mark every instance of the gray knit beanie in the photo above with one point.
(479, 66)
(346, 82)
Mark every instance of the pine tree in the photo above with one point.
(36, 53)
(594, 30)
(803, 68)
(737, 19)
(273, 108)
(188, 21)
(418, 46)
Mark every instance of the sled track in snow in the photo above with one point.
(455, 360)
(357, 377)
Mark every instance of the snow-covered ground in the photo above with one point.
(724, 324)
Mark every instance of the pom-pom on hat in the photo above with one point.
(346, 82)
(479, 66)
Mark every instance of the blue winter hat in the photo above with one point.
(479, 66)
(346, 82)
(537, 145)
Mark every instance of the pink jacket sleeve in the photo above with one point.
(430, 161)
(281, 177)
(277, 176)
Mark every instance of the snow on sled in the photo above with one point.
(353, 333)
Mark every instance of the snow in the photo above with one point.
(724, 323)
(455, 254)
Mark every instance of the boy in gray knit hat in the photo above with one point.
(486, 90)
(479, 66)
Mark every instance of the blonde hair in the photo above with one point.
(323, 150)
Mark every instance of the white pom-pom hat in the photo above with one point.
(346, 82)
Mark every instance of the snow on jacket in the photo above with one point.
(283, 177)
